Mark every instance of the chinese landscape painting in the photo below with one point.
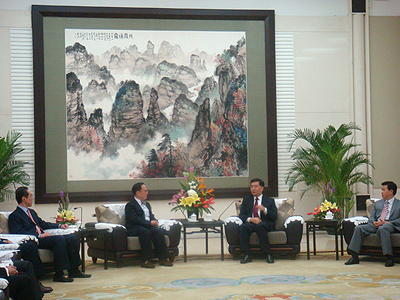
(152, 104)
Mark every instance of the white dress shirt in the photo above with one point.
(145, 209)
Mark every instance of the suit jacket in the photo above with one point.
(20, 223)
(23, 285)
(134, 215)
(246, 210)
(394, 216)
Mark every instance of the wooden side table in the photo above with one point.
(204, 226)
(318, 225)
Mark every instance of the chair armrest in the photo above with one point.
(232, 232)
(116, 235)
(3, 283)
(349, 224)
(90, 225)
(117, 239)
(174, 234)
(294, 230)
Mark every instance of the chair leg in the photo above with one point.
(94, 260)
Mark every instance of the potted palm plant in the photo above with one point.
(330, 160)
(11, 170)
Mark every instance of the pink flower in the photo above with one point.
(191, 169)
(61, 194)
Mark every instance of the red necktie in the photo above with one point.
(255, 209)
(38, 229)
(385, 211)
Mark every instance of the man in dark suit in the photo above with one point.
(65, 247)
(258, 214)
(384, 220)
(140, 221)
(29, 251)
(22, 282)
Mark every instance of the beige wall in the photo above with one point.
(322, 87)
(323, 93)
(385, 98)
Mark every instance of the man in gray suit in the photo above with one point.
(384, 220)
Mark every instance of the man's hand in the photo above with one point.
(255, 220)
(154, 223)
(12, 270)
(261, 208)
(64, 226)
(43, 235)
(379, 223)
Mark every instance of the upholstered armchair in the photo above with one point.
(284, 241)
(120, 247)
(372, 243)
(45, 255)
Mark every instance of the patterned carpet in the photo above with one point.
(322, 277)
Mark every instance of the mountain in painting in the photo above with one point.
(164, 111)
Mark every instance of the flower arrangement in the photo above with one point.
(64, 213)
(194, 196)
(320, 211)
(327, 205)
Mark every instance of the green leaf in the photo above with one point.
(11, 169)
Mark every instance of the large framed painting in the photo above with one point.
(124, 95)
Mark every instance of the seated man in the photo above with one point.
(29, 251)
(140, 221)
(65, 247)
(22, 282)
(258, 214)
(384, 220)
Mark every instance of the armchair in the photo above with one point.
(121, 247)
(45, 255)
(285, 240)
(371, 244)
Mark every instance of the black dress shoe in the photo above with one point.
(352, 261)
(389, 262)
(166, 262)
(246, 259)
(79, 274)
(270, 259)
(45, 289)
(62, 278)
(147, 264)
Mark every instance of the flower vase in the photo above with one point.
(193, 211)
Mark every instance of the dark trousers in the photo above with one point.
(29, 251)
(24, 285)
(66, 251)
(149, 237)
(246, 229)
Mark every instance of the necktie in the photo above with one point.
(385, 211)
(38, 229)
(255, 209)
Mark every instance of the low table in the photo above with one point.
(317, 225)
(205, 226)
(93, 233)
